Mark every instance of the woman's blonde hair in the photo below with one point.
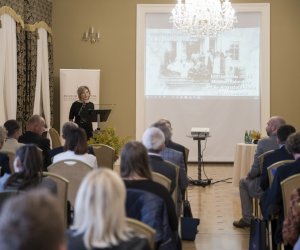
(100, 209)
(81, 89)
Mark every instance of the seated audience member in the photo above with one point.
(171, 144)
(154, 141)
(174, 156)
(277, 155)
(4, 160)
(66, 132)
(11, 143)
(291, 224)
(32, 221)
(136, 174)
(249, 186)
(76, 149)
(28, 172)
(99, 221)
(274, 203)
(34, 134)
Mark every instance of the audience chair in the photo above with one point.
(175, 195)
(62, 192)
(11, 157)
(287, 186)
(105, 155)
(55, 138)
(5, 195)
(163, 180)
(275, 166)
(142, 229)
(74, 171)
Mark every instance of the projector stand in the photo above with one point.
(200, 182)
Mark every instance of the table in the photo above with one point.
(243, 159)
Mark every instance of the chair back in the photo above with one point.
(187, 151)
(261, 159)
(105, 155)
(5, 195)
(62, 192)
(72, 170)
(163, 180)
(274, 166)
(175, 194)
(142, 229)
(11, 157)
(55, 138)
(287, 187)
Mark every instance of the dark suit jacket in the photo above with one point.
(274, 196)
(273, 157)
(159, 165)
(4, 163)
(40, 141)
(178, 147)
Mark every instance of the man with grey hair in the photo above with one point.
(4, 160)
(250, 185)
(154, 141)
(174, 156)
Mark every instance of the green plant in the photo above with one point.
(109, 137)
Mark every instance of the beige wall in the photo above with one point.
(115, 54)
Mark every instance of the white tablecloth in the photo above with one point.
(243, 159)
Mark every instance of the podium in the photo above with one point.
(99, 115)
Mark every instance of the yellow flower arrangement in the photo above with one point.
(255, 135)
(109, 137)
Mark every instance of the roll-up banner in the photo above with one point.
(70, 80)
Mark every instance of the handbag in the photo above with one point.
(258, 235)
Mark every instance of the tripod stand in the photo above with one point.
(200, 182)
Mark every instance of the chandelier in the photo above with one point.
(203, 17)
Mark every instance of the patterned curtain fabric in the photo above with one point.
(32, 13)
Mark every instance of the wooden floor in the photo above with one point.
(217, 206)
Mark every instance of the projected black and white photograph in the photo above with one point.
(226, 65)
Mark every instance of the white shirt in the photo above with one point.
(11, 145)
(68, 155)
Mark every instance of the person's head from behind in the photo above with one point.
(165, 129)
(28, 160)
(168, 124)
(31, 221)
(3, 134)
(67, 129)
(293, 144)
(77, 141)
(100, 208)
(13, 129)
(154, 140)
(36, 124)
(83, 93)
(283, 133)
(273, 125)
(134, 161)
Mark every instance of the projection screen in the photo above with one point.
(221, 83)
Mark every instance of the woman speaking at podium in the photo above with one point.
(80, 110)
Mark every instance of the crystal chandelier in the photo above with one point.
(203, 17)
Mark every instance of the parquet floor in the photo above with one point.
(217, 206)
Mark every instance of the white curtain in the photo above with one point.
(8, 69)
(42, 93)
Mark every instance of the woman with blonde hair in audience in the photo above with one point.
(99, 221)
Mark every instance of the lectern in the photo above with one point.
(99, 115)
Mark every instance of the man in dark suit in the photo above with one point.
(250, 186)
(274, 202)
(35, 129)
(173, 145)
(154, 141)
(277, 155)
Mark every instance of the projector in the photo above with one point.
(200, 132)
